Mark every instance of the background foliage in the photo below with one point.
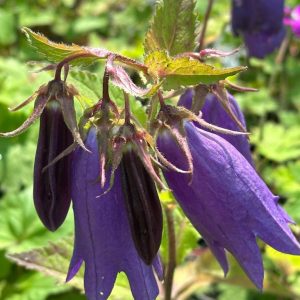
(273, 119)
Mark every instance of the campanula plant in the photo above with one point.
(112, 167)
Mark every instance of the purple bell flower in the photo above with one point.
(103, 238)
(260, 22)
(226, 201)
(51, 187)
(214, 113)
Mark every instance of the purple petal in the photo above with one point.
(259, 44)
(102, 234)
(227, 202)
(214, 113)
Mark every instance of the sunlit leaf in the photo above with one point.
(21, 228)
(53, 260)
(183, 71)
(173, 27)
(56, 52)
(285, 180)
(276, 142)
(205, 271)
(8, 27)
(32, 286)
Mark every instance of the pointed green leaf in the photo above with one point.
(276, 142)
(173, 27)
(56, 52)
(184, 71)
(21, 229)
(52, 260)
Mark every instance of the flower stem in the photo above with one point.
(127, 108)
(205, 22)
(65, 61)
(171, 252)
(161, 98)
(105, 86)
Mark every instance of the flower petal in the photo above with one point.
(261, 24)
(214, 113)
(227, 202)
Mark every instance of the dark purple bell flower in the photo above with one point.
(227, 201)
(143, 206)
(103, 237)
(260, 22)
(214, 113)
(51, 187)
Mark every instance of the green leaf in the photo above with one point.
(31, 286)
(21, 228)
(173, 27)
(258, 103)
(277, 143)
(8, 28)
(285, 181)
(56, 52)
(17, 173)
(53, 260)
(137, 109)
(88, 84)
(180, 72)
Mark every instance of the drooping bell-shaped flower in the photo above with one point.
(260, 23)
(51, 187)
(292, 19)
(226, 200)
(103, 235)
(214, 113)
(58, 136)
(143, 206)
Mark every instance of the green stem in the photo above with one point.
(205, 23)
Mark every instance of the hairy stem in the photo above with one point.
(105, 86)
(127, 108)
(171, 253)
(161, 98)
(65, 61)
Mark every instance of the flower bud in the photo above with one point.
(142, 205)
(51, 187)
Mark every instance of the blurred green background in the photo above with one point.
(273, 119)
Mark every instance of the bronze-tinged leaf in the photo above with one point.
(143, 206)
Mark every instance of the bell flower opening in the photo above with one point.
(103, 238)
(227, 202)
